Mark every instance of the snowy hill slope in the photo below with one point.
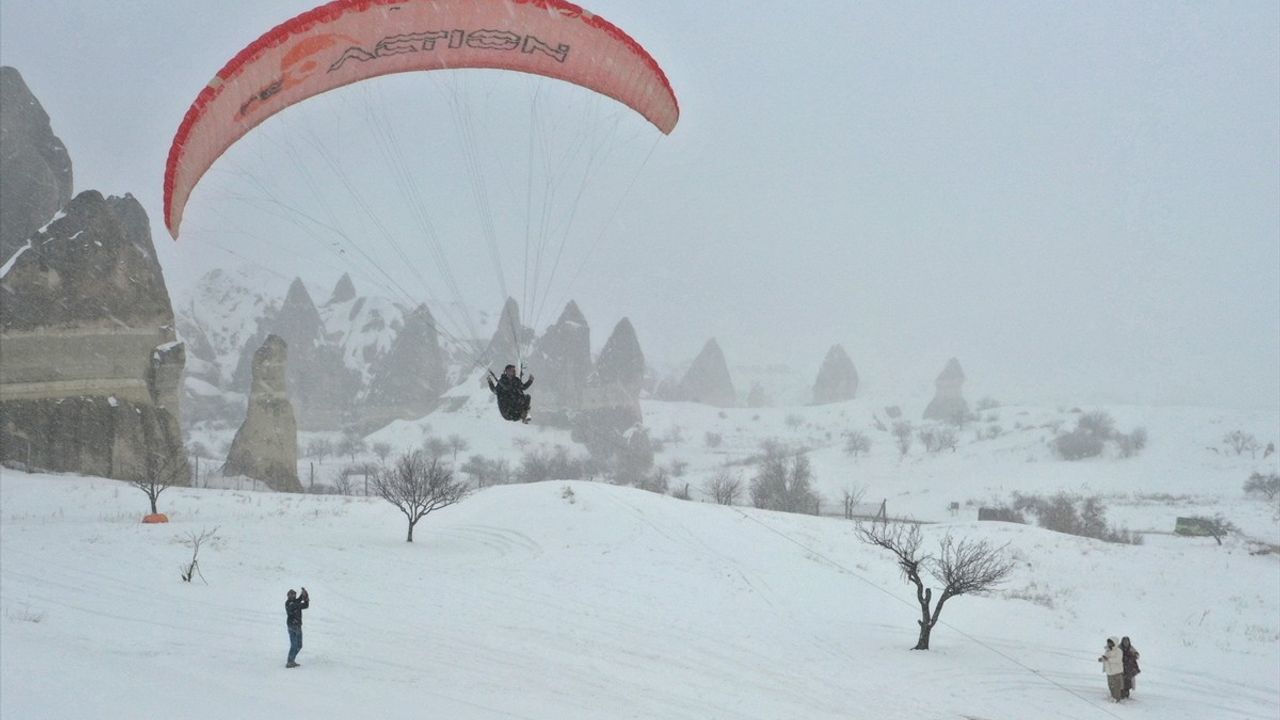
(578, 600)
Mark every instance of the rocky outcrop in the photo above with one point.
(561, 361)
(707, 380)
(407, 382)
(322, 386)
(266, 446)
(948, 404)
(837, 378)
(91, 368)
(509, 338)
(36, 180)
(611, 402)
(344, 291)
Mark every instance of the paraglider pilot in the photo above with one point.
(513, 403)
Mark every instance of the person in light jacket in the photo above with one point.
(1112, 660)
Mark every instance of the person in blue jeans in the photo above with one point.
(293, 608)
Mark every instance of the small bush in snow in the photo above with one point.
(1074, 515)
(1078, 445)
(1216, 527)
(903, 436)
(539, 465)
(783, 481)
(655, 481)
(713, 440)
(936, 438)
(724, 487)
(484, 471)
(794, 421)
(1241, 442)
(1132, 443)
(1267, 486)
(681, 493)
(857, 443)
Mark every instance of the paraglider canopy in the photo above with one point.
(347, 41)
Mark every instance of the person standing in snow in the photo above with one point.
(1130, 665)
(293, 608)
(1112, 660)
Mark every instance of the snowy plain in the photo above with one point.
(574, 599)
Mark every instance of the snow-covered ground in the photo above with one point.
(573, 599)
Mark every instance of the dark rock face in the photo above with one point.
(611, 412)
(707, 381)
(91, 368)
(621, 362)
(948, 404)
(561, 361)
(837, 378)
(344, 291)
(407, 382)
(502, 348)
(88, 268)
(36, 181)
(266, 446)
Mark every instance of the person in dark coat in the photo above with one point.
(513, 403)
(1130, 665)
(293, 608)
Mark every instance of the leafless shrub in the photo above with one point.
(783, 481)
(1241, 442)
(903, 437)
(962, 568)
(856, 443)
(457, 444)
(1267, 485)
(194, 541)
(793, 421)
(1132, 443)
(539, 465)
(162, 473)
(351, 445)
(417, 487)
(849, 499)
(1074, 515)
(382, 450)
(656, 481)
(434, 447)
(724, 487)
(484, 471)
(320, 448)
(682, 493)
(936, 438)
(713, 440)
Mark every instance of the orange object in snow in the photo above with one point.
(155, 518)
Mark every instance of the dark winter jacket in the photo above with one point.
(1130, 660)
(509, 386)
(293, 610)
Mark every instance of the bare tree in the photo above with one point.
(457, 444)
(418, 487)
(1266, 485)
(849, 499)
(344, 481)
(351, 445)
(162, 473)
(194, 541)
(783, 481)
(1241, 442)
(963, 567)
(724, 487)
(902, 436)
(320, 448)
(383, 451)
(435, 447)
(857, 443)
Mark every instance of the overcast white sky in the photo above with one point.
(1079, 200)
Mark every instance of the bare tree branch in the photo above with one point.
(418, 487)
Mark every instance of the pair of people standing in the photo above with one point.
(1120, 663)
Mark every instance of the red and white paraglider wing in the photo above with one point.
(346, 41)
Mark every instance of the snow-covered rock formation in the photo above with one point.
(266, 445)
